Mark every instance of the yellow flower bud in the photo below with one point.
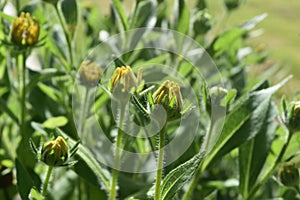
(25, 30)
(89, 73)
(169, 96)
(55, 153)
(124, 79)
(289, 175)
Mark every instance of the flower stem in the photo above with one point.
(160, 163)
(200, 169)
(115, 172)
(271, 170)
(84, 111)
(66, 35)
(23, 96)
(45, 186)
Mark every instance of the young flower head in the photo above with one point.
(169, 96)
(289, 175)
(124, 79)
(25, 30)
(232, 4)
(292, 117)
(89, 73)
(55, 153)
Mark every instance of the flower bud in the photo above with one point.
(89, 73)
(25, 30)
(124, 79)
(289, 175)
(169, 96)
(292, 117)
(55, 153)
(232, 4)
(215, 97)
(203, 22)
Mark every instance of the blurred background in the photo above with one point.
(279, 32)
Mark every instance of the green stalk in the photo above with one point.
(84, 111)
(200, 169)
(17, 5)
(61, 21)
(115, 171)
(160, 163)
(271, 170)
(45, 186)
(23, 95)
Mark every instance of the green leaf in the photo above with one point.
(182, 17)
(35, 195)
(8, 111)
(121, 13)
(69, 10)
(253, 153)
(145, 15)
(55, 122)
(248, 112)
(24, 182)
(253, 22)
(45, 74)
(229, 42)
(7, 17)
(49, 91)
(179, 176)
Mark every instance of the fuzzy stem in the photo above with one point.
(276, 163)
(160, 163)
(23, 95)
(200, 169)
(115, 172)
(61, 21)
(44, 191)
(84, 110)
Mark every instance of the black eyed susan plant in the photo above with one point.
(86, 87)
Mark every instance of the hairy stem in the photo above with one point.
(160, 163)
(23, 96)
(115, 172)
(45, 186)
(69, 44)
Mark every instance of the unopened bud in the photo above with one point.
(55, 153)
(289, 175)
(169, 96)
(292, 117)
(25, 30)
(124, 79)
(89, 73)
(232, 4)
